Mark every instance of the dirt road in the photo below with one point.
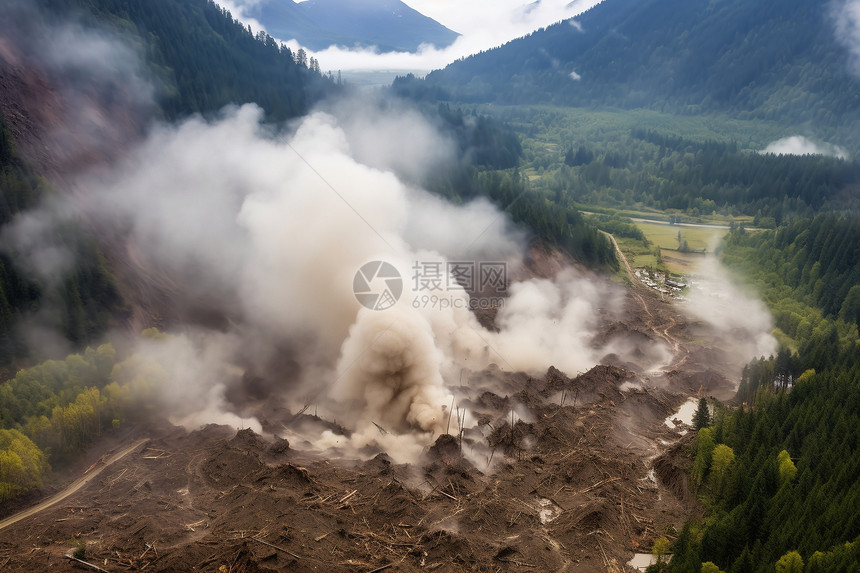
(661, 325)
(630, 274)
(74, 486)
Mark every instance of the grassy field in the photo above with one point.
(681, 263)
(666, 236)
(638, 255)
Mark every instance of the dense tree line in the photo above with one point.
(205, 59)
(52, 411)
(563, 227)
(780, 475)
(618, 226)
(809, 275)
(665, 172)
(489, 153)
(84, 301)
(818, 258)
(19, 189)
(481, 140)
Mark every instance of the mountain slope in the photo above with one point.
(202, 58)
(61, 112)
(764, 58)
(389, 25)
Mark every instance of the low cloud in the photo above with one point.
(800, 145)
(483, 24)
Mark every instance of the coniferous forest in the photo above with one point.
(766, 59)
(203, 59)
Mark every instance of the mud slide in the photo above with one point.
(88, 476)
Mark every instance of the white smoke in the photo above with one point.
(550, 322)
(269, 230)
(186, 378)
(280, 226)
(799, 145)
(742, 319)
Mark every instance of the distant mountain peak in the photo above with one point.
(389, 25)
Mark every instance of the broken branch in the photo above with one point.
(290, 553)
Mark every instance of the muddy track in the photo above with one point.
(630, 275)
(76, 485)
(660, 323)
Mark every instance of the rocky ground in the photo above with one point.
(559, 474)
(573, 488)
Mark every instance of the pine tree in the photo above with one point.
(702, 418)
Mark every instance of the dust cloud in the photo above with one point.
(262, 229)
(269, 228)
(741, 320)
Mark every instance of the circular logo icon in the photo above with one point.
(377, 285)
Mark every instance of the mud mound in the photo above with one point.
(247, 439)
(446, 449)
(672, 469)
(279, 447)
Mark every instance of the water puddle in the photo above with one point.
(684, 415)
(641, 561)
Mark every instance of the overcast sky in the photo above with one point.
(483, 24)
